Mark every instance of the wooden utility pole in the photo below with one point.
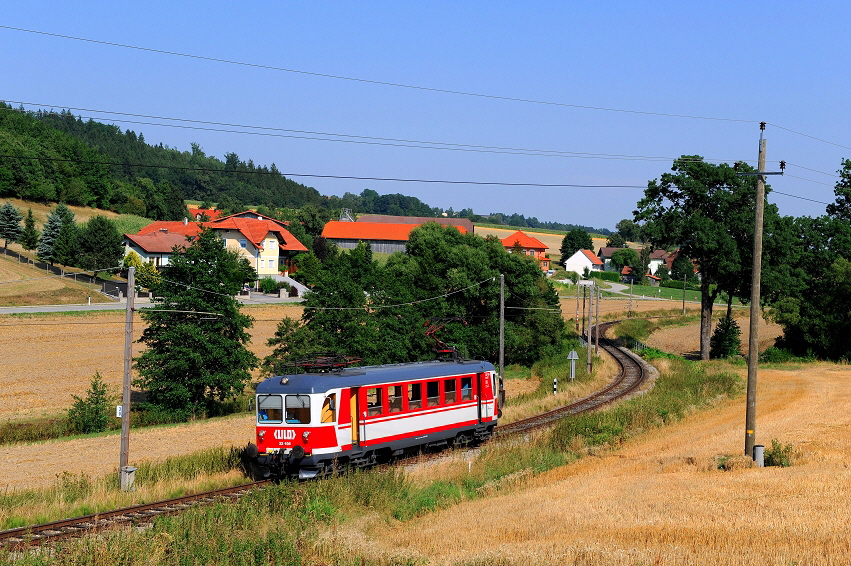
(128, 364)
(753, 342)
(684, 292)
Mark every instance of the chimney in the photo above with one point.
(185, 221)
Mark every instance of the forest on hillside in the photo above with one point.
(59, 157)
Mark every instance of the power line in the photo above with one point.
(814, 170)
(360, 139)
(377, 82)
(400, 304)
(809, 136)
(318, 176)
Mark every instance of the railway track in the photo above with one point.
(631, 376)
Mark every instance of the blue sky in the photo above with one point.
(741, 63)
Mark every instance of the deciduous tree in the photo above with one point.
(196, 336)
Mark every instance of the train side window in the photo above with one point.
(415, 396)
(449, 390)
(329, 409)
(298, 409)
(433, 392)
(373, 401)
(466, 388)
(394, 398)
(270, 409)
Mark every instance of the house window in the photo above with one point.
(243, 244)
(271, 244)
(272, 263)
(262, 263)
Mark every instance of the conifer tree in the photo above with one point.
(10, 223)
(48, 238)
(30, 235)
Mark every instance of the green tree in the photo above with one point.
(30, 235)
(48, 237)
(704, 209)
(92, 413)
(625, 257)
(196, 337)
(841, 208)
(628, 230)
(99, 244)
(615, 241)
(65, 248)
(10, 223)
(573, 241)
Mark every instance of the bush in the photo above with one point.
(606, 275)
(92, 413)
(776, 355)
(675, 284)
(725, 341)
(779, 455)
(268, 285)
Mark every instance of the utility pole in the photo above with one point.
(576, 322)
(629, 314)
(756, 276)
(684, 293)
(590, 311)
(597, 326)
(128, 360)
(584, 292)
(501, 339)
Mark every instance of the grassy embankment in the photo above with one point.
(300, 523)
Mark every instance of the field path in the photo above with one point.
(661, 499)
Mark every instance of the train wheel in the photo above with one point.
(463, 440)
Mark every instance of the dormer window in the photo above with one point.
(243, 244)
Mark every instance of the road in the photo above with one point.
(254, 299)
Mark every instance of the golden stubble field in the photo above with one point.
(48, 358)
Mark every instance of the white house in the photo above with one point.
(581, 260)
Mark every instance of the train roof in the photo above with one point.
(369, 375)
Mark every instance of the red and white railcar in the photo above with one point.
(308, 423)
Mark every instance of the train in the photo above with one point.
(310, 424)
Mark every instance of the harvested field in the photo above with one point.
(39, 381)
(661, 499)
(24, 284)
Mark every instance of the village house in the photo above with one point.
(582, 260)
(529, 246)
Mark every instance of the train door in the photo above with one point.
(478, 394)
(353, 407)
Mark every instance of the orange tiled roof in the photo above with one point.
(525, 241)
(591, 257)
(255, 231)
(158, 242)
(371, 231)
(211, 213)
(173, 227)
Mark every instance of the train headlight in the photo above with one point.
(261, 434)
(305, 435)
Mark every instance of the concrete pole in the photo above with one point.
(597, 326)
(128, 361)
(590, 311)
(753, 343)
(576, 321)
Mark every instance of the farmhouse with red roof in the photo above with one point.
(382, 237)
(530, 246)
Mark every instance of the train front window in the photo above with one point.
(298, 409)
(269, 409)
